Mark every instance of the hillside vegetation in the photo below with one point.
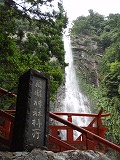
(31, 37)
(96, 43)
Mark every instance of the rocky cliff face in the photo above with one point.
(87, 52)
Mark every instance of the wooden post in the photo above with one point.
(70, 130)
(90, 145)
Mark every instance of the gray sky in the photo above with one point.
(76, 8)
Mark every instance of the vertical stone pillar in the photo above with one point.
(32, 112)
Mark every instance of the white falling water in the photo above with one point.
(74, 101)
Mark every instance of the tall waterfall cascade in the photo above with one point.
(74, 100)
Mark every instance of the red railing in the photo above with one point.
(6, 120)
(88, 140)
(6, 127)
(91, 137)
(6, 92)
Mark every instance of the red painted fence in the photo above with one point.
(91, 137)
(89, 141)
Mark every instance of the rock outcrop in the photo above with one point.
(87, 52)
(38, 154)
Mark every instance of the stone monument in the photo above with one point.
(32, 112)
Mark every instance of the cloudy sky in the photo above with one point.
(77, 8)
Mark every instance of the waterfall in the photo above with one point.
(74, 100)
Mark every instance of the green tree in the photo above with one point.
(29, 38)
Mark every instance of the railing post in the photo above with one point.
(99, 123)
(11, 132)
(84, 140)
(69, 130)
(90, 145)
(54, 132)
(7, 127)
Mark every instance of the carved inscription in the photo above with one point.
(38, 103)
(35, 127)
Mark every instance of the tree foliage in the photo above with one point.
(31, 37)
(107, 31)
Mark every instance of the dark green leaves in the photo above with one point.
(31, 38)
